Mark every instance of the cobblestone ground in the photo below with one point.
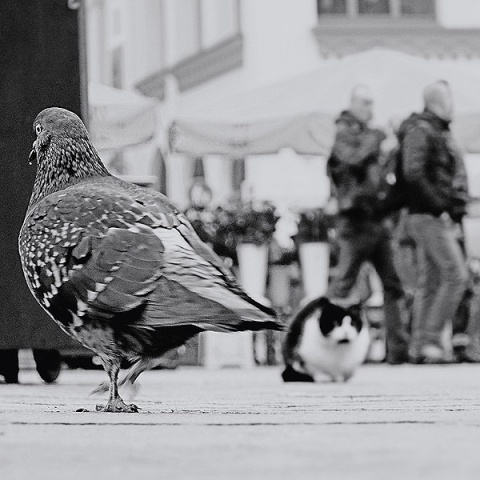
(405, 422)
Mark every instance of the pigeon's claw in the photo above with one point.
(117, 406)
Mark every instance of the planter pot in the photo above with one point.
(279, 285)
(253, 267)
(315, 265)
(220, 350)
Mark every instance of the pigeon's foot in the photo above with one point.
(117, 406)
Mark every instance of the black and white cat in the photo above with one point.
(325, 338)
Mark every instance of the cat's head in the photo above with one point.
(339, 324)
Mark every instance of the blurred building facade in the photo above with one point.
(189, 54)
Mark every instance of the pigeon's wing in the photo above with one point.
(85, 250)
(120, 271)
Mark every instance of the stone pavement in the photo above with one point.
(404, 422)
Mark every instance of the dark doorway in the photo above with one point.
(40, 65)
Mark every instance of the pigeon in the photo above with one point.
(117, 266)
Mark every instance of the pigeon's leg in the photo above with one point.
(115, 402)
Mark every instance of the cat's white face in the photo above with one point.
(345, 331)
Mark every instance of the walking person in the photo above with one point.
(465, 324)
(436, 189)
(362, 231)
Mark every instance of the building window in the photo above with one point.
(220, 21)
(188, 24)
(332, 7)
(373, 7)
(146, 20)
(377, 8)
(414, 7)
(202, 24)
(209, 40)
(117, 67)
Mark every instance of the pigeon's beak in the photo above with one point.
(33, 154)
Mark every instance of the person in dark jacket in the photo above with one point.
(362, 232)
(437, 195)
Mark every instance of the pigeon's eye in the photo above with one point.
(38, 129)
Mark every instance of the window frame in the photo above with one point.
(395, 7)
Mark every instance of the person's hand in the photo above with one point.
(331, 208)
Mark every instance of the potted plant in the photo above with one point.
(255, 226)
(312, 242)
(243, 233)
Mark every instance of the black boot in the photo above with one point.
(9, 365)
(49, 364)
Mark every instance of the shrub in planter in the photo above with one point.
(314, 226)
(255, 222)
(237, 223)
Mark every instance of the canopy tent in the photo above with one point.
(119, 118)
(306, 134)
(299, 113)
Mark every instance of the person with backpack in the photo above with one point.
(436, 196)
(354, 170)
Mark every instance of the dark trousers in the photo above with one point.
(361, 241)
(442, 278)
(464, 325)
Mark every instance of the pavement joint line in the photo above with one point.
(227, 424)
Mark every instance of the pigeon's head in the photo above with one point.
(63, 151)
(59, 125)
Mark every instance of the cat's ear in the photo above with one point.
(355, 310)
(317, 303)
(322, 302)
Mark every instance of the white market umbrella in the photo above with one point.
(119, 118)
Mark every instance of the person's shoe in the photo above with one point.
(398, 359)
(49, 364)
(429, 355)
(463, 354)
(9, 365)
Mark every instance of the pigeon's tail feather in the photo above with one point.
(205, 307)
(206, 253)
